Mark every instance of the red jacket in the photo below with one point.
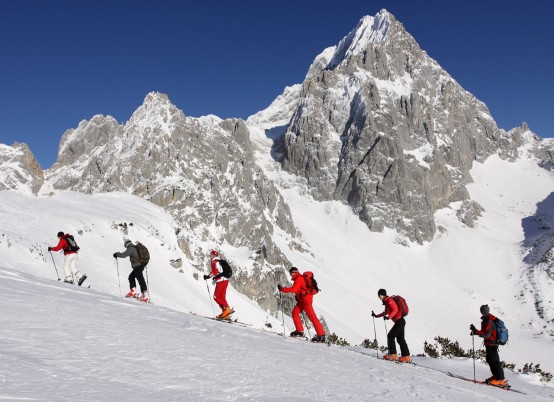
(298, 287)
(488, 330)
(62, 245)
(391, 310)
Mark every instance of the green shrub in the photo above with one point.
(529, 368)
(335, 340)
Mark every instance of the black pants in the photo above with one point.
(397, 331)
(137, 273)
(493, 360)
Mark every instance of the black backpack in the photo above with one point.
(227, 271)
(71, 243)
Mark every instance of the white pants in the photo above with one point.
(69, 267)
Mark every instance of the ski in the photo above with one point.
(506, 387)
(229, 321)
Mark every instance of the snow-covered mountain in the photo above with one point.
(378, 171)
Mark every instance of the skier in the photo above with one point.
(488, 333)
(303, 303)
(221, 283)
(70, 259)
(392, 312)
(136, 273)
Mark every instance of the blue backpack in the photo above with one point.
(501, 332)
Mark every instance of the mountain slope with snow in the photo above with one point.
(62, 342)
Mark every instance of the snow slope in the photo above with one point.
(61, 342)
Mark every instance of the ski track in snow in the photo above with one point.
(60, 342)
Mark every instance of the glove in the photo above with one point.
(473, 329)
(279, 287)
(49, 248)
(386, 318)
(206, 277)
(373, 314)
(114, 255)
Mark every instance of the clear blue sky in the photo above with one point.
(64, 61)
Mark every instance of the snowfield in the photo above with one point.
(61, 342)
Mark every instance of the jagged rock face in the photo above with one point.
(19, 169)
(381, 126)
(200, 170)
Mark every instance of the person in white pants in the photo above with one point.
(70, 263)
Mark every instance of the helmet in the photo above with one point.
(60, 234)
(127, 242)
(214, 252)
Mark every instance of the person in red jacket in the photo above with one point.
(70, 260)
(392, 312)
(488, 333)
(303, 303)
(221, 283)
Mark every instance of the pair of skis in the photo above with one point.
(506, 387)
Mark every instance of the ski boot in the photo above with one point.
(298, 334)
(319, 339)
(131, 293)
(69, 281)
(81, 280)
(404, 359)
(390, 357)
(144, 297)
(497, 383)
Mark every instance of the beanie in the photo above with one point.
(126, 241)
(214, 252)
(293, 269)
(60, 234)
(485, 309)
(382, 292)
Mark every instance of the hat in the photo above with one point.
(214, 252)
(382, 292)
(485, 309)
(126, 241)
(293, 269)
(60, 234)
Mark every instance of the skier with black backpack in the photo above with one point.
(395, 310)
(220, 273)
(70, 250)
(491, 327)
(138, 263)
(304, 287)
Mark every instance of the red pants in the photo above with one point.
(305, 305)
(220, 294)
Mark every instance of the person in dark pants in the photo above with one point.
(132, 253)
(393, 313)
(488, 333)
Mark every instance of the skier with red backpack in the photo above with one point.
(489, 332)
(304, 289)
(395, 310)
(70, 250)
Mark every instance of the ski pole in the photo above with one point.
(375, 333)
(59, 279)
(147, 283)
(473, 348)
(210, 293)
(118, 282)
(303, 316)
(282, 313)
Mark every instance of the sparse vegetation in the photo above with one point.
(335, 340)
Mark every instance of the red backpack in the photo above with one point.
(402, 305)
(311, 284)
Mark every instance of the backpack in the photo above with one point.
(402, 305)
(227, 271)
(311, 283)
(501, 332)
(71, 243)
(144, 254)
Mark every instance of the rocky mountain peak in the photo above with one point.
(19, 169)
